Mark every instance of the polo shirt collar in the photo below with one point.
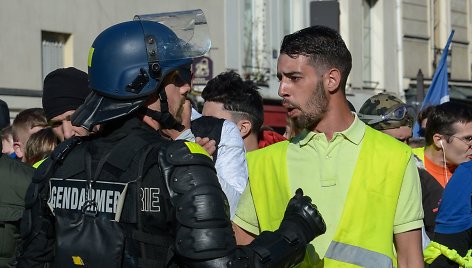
(354, 133)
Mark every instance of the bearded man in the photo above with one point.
(364, 182)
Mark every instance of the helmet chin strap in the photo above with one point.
(165, 119)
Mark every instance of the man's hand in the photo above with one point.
(303, 217)
(207, 144)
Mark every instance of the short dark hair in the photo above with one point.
(424, 114)
(241, 98)
(323, 45)
(443, 117)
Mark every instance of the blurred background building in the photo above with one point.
(390, 40)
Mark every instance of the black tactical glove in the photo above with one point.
(302, 217)
(285, 247)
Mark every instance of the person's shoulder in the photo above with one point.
(230, 129)
(183, 147)
(388, 141)
(229, 125)
(466, 165)
(418, 150)
(15, 167)
(269, 150)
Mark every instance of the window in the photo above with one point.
(55, 51)
(257, 51)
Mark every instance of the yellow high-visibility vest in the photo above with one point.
(419, 152)
(364, 236)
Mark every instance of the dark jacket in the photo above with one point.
(15, 177)
(120, 148)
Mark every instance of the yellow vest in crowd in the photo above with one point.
(370, 203)
(419, 152)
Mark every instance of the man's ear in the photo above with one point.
(437, 140)
(332, 79)
(17, 146)
(245, 127)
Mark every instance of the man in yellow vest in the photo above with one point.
(364, 182)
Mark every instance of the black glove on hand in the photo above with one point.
(302, 217)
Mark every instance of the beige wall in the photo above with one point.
(460, 20)
(21, 23)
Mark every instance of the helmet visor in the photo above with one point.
(191, 29)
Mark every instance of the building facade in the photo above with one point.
(390, 41)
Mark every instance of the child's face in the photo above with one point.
(7, 145)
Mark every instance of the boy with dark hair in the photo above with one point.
(228, 96)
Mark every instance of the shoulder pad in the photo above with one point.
(187, 153)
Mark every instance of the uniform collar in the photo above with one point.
(128, 135)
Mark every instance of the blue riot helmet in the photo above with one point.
(129, 61)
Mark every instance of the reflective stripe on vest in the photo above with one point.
(356, 255)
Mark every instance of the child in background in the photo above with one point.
(26, 123)
(7, 141)
(39, 146)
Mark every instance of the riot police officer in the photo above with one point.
(128, 197)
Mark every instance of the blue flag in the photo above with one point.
(438, 91)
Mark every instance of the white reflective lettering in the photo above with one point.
(66, 198)
(74, 198)
(115, 201)
(154, 199)
(59, 197)
(143, 208)
(72, 195)
(82, 198)
(100, 199)
(150, 199)
(52, 198)
(109, 204)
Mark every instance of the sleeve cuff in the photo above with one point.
(407, 226)
(245, 225)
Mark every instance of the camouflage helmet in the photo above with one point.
(385, 111)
